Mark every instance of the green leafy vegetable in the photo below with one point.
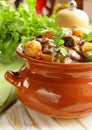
(62, 50)
(59, 42)
(89, 52)
(20, 26)
(58, 37)
(88, 36)
(88, 58)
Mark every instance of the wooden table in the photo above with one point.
(20, 117)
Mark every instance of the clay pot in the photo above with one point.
(56, 89)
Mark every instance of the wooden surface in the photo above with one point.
(20, 117)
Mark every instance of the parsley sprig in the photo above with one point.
(60, 42)
(20, 26)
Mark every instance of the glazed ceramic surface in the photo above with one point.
(55, 89)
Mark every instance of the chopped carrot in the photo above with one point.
(77, 32)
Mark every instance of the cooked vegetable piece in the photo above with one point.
(86, 47)
(78, 32)
(32, 48)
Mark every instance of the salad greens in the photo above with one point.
(20, 26)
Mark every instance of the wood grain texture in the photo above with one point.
(20, 117)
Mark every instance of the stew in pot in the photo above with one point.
(67, 46)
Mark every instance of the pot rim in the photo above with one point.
(20, 53)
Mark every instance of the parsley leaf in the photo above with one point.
(88, 58)
(63, 51)
(89, 52)
(59, 42)
(88, 36)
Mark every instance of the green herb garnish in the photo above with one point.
(88, 36)
(58, 36)
(59, 42)
(88, 58)
(89, 52)
(62, 50)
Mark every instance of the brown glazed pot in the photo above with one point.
(56, 89)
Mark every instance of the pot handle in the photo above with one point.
(12, 77)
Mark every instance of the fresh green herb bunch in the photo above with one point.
(20, 26)
(10, 29)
